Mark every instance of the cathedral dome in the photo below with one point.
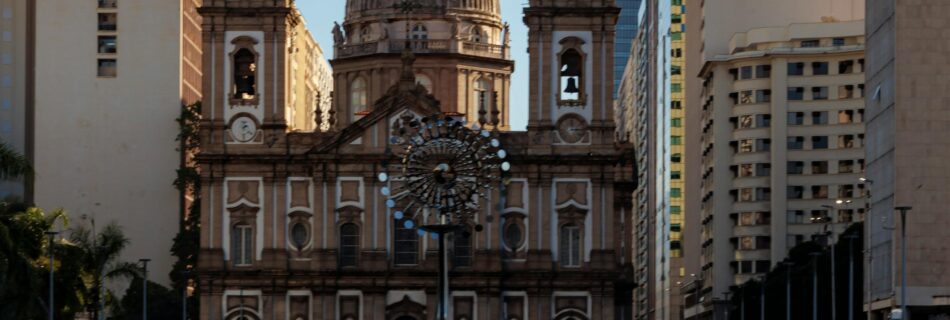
(363, 8)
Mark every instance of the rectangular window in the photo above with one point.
(762, 266)
(570, 242)
(796, 68)
(796, 93)
(810, 43)
(746, 122)
(745, 170)
(676, 18)
(846, 215)
(763, 120)
(676, 87)
(676, 209)
(107, 21)
(846, 191)
(796, 143)
(763, 169)
(819, 167)
(845, 116)
(796, 167)
(676, 192)
(846, 166)
(107, 68)
(846, 92)
(745, 195)
(763, 145)
(745, 73)
(796, 118)
(676, 122)
(846, 67)
(796, 217)
(819, 68)
(745, 145)
(846, 141)
(676, 105)
(819, 117)
(676, 36)
(406, 244)
(676, 175)
(107, 44)
(763, 71)
(837, 42)
(745, 97)
(105, 4)
(763, 96)
(676, 70)
(676, 140)
(819, 93)
(795, 192)
(819, 142)
(819, 192)
(241, 245)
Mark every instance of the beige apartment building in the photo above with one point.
(16, 83)
(782, 147)
(907, 139)
(111, 77)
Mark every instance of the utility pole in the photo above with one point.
(903, 211)
(851, 238)
(144, 288)
(51, 235)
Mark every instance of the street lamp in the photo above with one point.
(184, 294)
(144, 288)
(851, 238)
(903, 210)
(788, 289)
(831, 242)
(814, 285)
(51, 235)
(868, 183)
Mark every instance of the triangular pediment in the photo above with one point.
(395, 104)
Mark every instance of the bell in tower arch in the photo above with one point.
(571, 85)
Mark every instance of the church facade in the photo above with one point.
(295, 224)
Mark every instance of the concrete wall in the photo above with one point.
(14, 82)
(105, 147)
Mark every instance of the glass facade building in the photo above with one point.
(626, 32)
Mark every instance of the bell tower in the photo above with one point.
(248, 47)
(570, 46)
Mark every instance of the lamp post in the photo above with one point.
(788, 289)
(851, 238)
(765, 279)
(868, 183)
(184, 295)
(903, 211)
(144, 288)
(814, 285)
(51, 235)
(831, 243)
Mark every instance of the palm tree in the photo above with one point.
(13, 165)
(23, 248)
(100, 262)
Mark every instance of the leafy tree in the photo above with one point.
(186, 243)
(162, 302)
(23, 252)
(13, 165)
(99, 262)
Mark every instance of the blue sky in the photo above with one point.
(320, 15)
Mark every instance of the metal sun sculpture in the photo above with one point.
(446, 167)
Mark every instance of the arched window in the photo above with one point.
(242, 237)
(477, 34)
(424, 81)
(245, 75)
(571, 71)
(419, 32)
(358, 98)
(462, 244)
(420, 37)
(349, 245)
(366, 34)
(481, 96)
(569, 245)
(406, 242)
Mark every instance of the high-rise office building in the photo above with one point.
(627, 26)
(907, 139)
(17, 42)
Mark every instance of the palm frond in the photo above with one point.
(13, 165)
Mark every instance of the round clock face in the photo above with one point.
(572, 128)
(244, 129)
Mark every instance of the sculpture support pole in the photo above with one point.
(443, 273)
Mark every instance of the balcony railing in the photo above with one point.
(423, 46)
